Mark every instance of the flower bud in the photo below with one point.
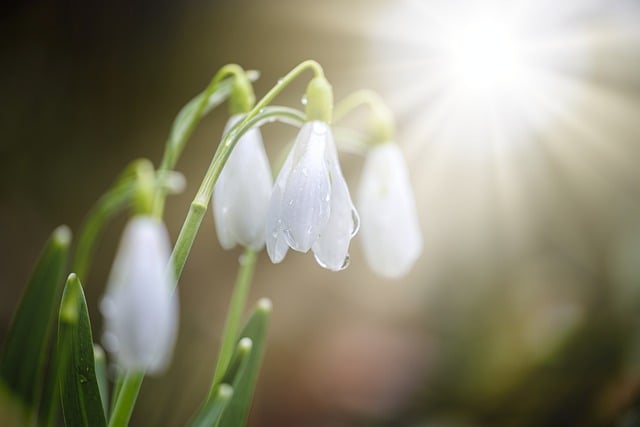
(140, 307)
(391, 234)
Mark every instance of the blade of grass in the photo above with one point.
(81, 401)
(24, 354)
(244, 383)
(100, 360)
(210, 412)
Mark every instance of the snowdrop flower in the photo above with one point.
(390, 231)
(310, 205)
(241, 195)
(140, 306)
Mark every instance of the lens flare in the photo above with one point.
(485, 54)
(508, 111)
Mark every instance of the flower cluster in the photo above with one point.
(307, 208)
(310, 206)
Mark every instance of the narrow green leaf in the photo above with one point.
(209, 414)
(244, 383)
(23, 357)
(81, 402)
(101, 376)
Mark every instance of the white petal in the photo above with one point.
(390, 230)
(276, 243)
(305, 203)
(242, 192)
(140, 306)
(331, 250)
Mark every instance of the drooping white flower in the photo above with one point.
(390, 230)
(140, 307)
(241, 194)
(310, 206)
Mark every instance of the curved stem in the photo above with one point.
(112, 202)
(115, 200)
(236, 309)
(199, 205)
(190, 115)
(383, 127)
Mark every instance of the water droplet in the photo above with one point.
(303, 100)
(326, 199)
(290, 203)
(356, 222)
(346, 262)
(280, 81)
(305, 172)
(83, 379)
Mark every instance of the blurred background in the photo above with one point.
(520, 121)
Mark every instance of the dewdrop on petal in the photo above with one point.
(241, 194)
(390, 231)
(310, 206)
(140, 307)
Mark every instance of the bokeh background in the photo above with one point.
(523, 308)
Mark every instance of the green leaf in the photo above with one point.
(81, 402)
(187, 118)
(210, 412)
(244, 383)
(22, 360)
(100, 360)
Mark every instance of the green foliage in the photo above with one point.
(244, 383)
(211, 412)
(222, 408)
(81, 401)
(23, 357)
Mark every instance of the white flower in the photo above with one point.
(241, 195)
(140, 306)
(310, 205)
(390, 230)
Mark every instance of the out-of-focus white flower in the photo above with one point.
(140, 307)
(310, 206)
(241, 195)
(390, 230)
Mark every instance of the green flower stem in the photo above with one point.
(201, 201)
(126, 399)
(236, 310)
(191, 225)
(188, 119)
(382, 123)
(119, 197)
(115, 200)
